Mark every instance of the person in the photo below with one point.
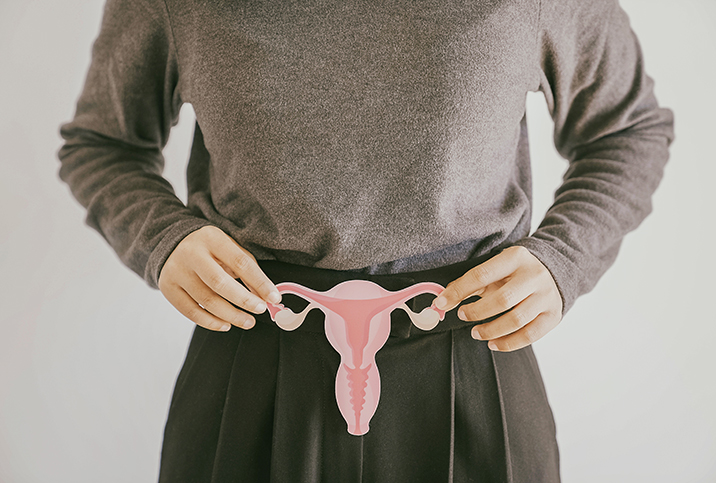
(381, 141)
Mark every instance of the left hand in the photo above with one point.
(514, 279)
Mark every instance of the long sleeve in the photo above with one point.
(608, 125)
(112, 158)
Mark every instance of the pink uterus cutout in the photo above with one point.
(357, 324)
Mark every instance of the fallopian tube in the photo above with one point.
(357, 324)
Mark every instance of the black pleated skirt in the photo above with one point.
(260, 405)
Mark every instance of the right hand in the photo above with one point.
(199, 280)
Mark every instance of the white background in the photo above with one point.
(89, 354)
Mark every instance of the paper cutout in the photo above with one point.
(357, 324)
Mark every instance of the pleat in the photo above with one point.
(409, 437)
(194, 421)
(310, 441)
(451, 469)
(243, 452)
(530, 434)
(479, 448)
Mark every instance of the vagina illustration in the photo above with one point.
(357, 325)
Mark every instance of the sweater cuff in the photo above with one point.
(169, 239)
(563, 270)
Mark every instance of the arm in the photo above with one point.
(112, 157)
(610, 128)
(608, 125)
(112, 161)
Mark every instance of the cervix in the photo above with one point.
(357, 324)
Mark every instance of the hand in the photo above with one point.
(514, 279)
(199, 280)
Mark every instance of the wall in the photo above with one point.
(89, 354)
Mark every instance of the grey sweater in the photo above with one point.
(385, 136)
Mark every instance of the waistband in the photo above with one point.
(321, 279)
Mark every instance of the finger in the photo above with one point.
(244, 266)
(477, 278)
(221, 283)
(527, 335)
(520, 315)
(188, 307)
(226, 268)
(504, 298)
(216, 305)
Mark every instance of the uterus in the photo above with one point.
(357, 325)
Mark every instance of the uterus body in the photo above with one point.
(357, 325)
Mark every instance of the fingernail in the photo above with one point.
(225, 328)
(461, 315)
(249, 324)
(274, 297)
(476, 333)
(440, 302)
(260, 308)
(492, 346)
